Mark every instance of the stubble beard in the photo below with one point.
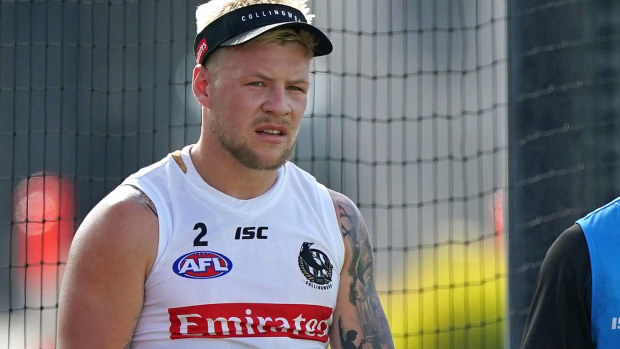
(245, 155)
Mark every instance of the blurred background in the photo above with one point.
(469, 132)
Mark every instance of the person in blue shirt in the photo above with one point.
(576, 303)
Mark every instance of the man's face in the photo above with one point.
(258, 96)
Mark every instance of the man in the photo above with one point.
(577, 299)
(226, 244)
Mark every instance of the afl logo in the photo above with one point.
(315, 266)
(202, 265)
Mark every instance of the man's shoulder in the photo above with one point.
(339, 197)
(122, 220)
(125, 201)
(567, 262)
(570, 246)
(571, 240)
(342, 203)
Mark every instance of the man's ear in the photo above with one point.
(200, 83)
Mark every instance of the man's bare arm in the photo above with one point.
(103, 287)
(359, 319)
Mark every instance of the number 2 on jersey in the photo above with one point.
(203, 232)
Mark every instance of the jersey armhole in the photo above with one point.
(163, 215)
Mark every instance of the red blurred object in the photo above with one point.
(44, 218)
(498, 218)
(44, 223)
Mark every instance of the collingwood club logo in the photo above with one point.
(315, 266)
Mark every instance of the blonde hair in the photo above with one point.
(214, 9)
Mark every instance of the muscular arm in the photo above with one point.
(103, 287)
(359, 320)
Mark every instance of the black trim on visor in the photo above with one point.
(251, 17)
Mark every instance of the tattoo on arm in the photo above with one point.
(362, 290)
(142, 199)
(347, 340)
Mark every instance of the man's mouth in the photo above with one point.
(271, 132)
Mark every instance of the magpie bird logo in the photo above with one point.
(315, 265)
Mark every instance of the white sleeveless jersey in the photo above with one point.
(229, 273)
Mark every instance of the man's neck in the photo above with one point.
(230, 177)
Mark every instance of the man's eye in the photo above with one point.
(296, 88)
(257, 83)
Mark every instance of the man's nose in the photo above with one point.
(277, 103)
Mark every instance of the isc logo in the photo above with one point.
(249, 233)
(202, 265)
